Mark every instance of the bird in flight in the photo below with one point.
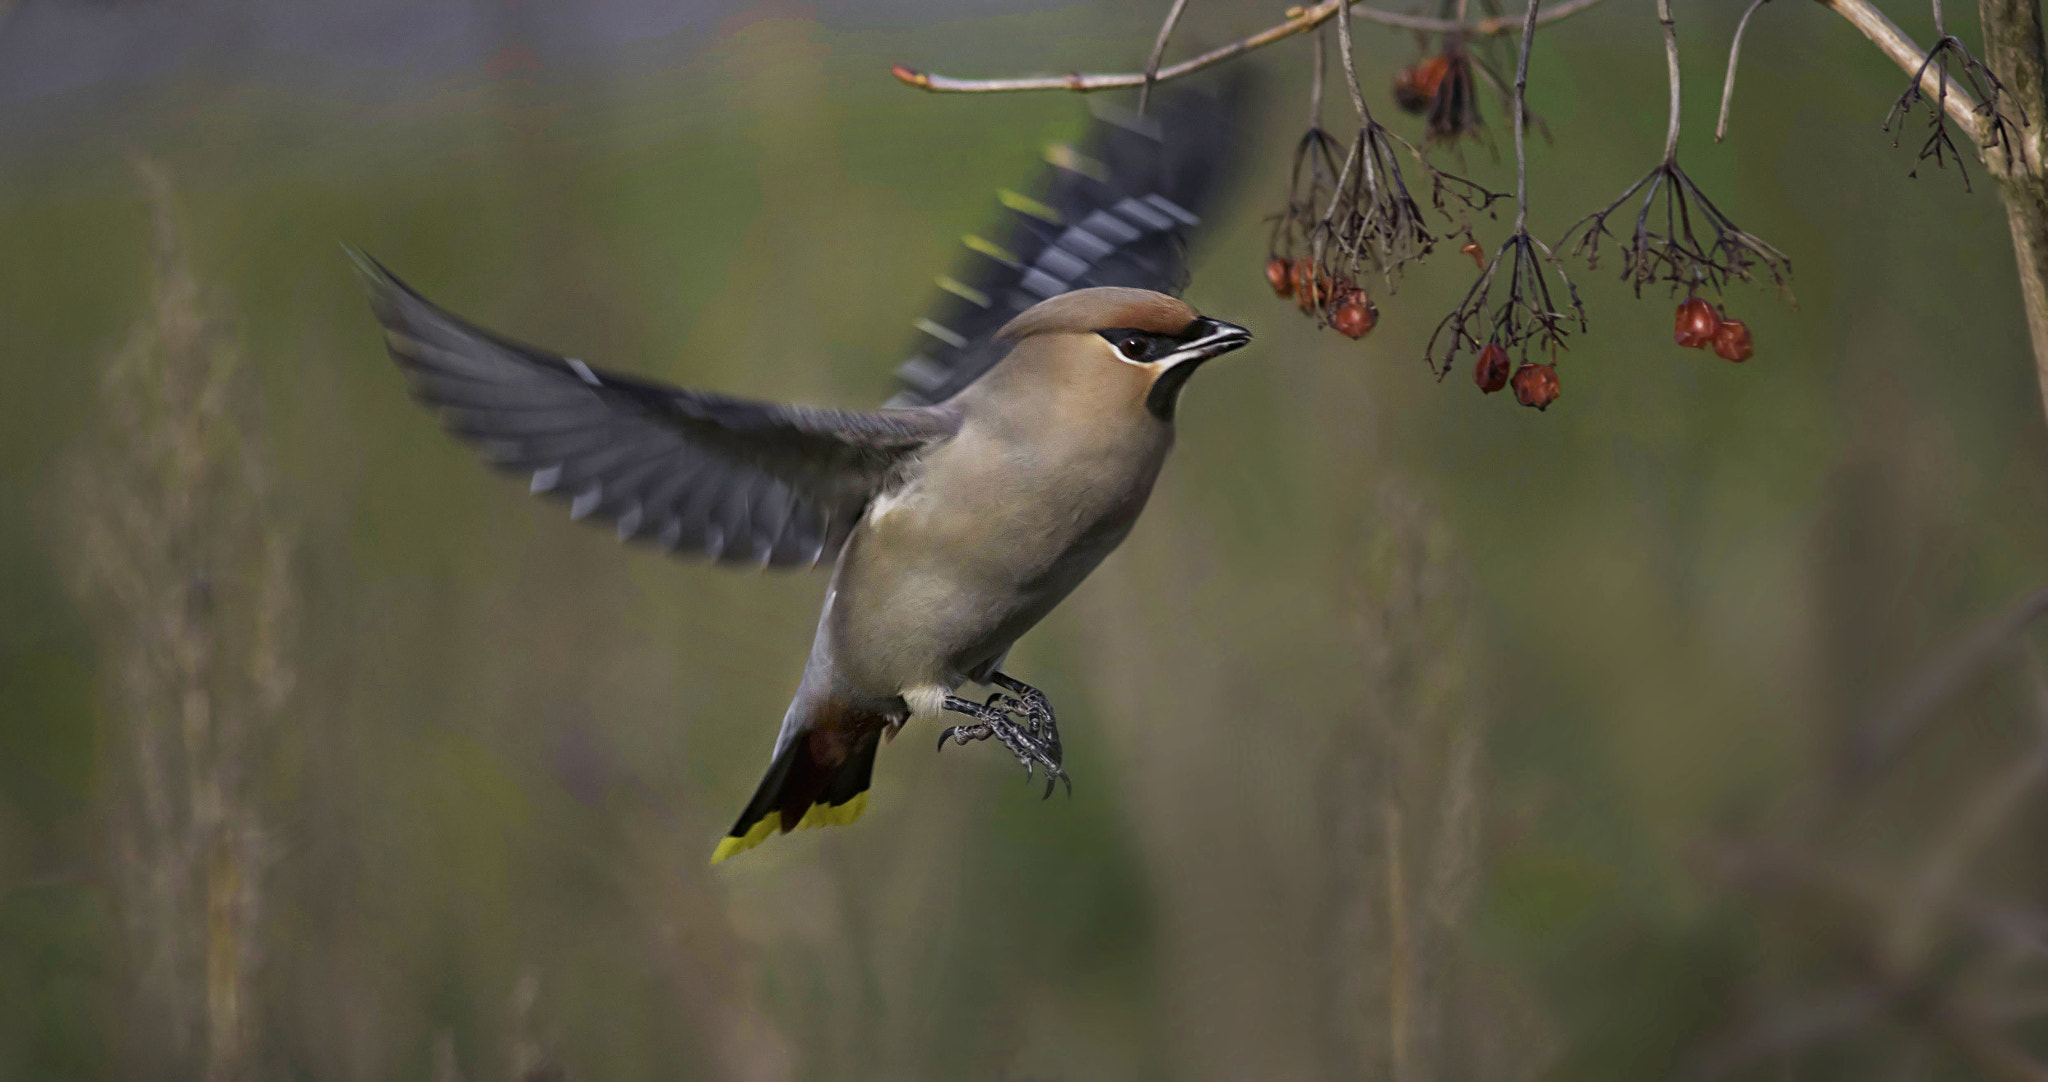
(1021, 446)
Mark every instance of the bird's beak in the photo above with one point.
(1207, 338)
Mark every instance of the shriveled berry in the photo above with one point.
(1491, 373)
(1430, 74)
(1696, 323)
(1416, 84)
(1355, 317)
(1732, 341)
(1536, 385)
(1478, 254)
(1280, 276)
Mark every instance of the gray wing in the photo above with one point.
(1115, 212)
(739, 482)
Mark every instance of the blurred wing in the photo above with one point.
(1115, 212)
(740, 482)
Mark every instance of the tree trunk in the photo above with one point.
(2014, 52)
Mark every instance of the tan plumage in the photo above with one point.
(1055, 454)
(1023, 444)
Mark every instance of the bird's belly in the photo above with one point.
(940, 586)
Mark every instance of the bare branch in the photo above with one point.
(1999, 132)
(1300, 20)
(1958, 104)
(1521, 120)
(1734, 53)
(1528, 314)
(1666, 244)
(1351, 68)
(1158, 51)
(1315, 82)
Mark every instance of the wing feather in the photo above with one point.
(1116, 212)
(737, 481)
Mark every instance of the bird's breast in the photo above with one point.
(986, 536)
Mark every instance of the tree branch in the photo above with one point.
(1158, 51)
(1300, 20)
(2013, 48)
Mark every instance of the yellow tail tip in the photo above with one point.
(817, 815)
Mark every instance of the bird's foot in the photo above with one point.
(1037, 711)
(1035, 742)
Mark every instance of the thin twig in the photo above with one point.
(1350, 67)
(1315, 83)
(1159, 50)
(1522, 119)
(1299, 21)
(1671, 63)
(1893, 42)
(1734, 52)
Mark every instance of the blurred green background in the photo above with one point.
(1412, 731)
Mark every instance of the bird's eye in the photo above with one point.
(1133, 346)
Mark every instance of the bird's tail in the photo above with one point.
(819, 779)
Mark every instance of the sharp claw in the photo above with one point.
(1048, 787)
(942, 740)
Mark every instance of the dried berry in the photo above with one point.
(1732, 341)
(1697, 321)
(1279, 276)
(1355, 316)
(1478, 254)
(1416, 84)
(1536, 385)
(1491, 373)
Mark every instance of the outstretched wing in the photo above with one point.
(1115, 212)
(740, 482)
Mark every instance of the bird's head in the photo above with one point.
(1160, 339)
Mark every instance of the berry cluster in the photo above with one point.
(1700, 325)
(1337, 299)
(1535, 384)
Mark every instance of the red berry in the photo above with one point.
(1697, 322)
(1279, 276)
(1355, 317)
(1491, 373)
(1732, 341)
(1430, 74)
(1536, 385)
(1417, 83)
